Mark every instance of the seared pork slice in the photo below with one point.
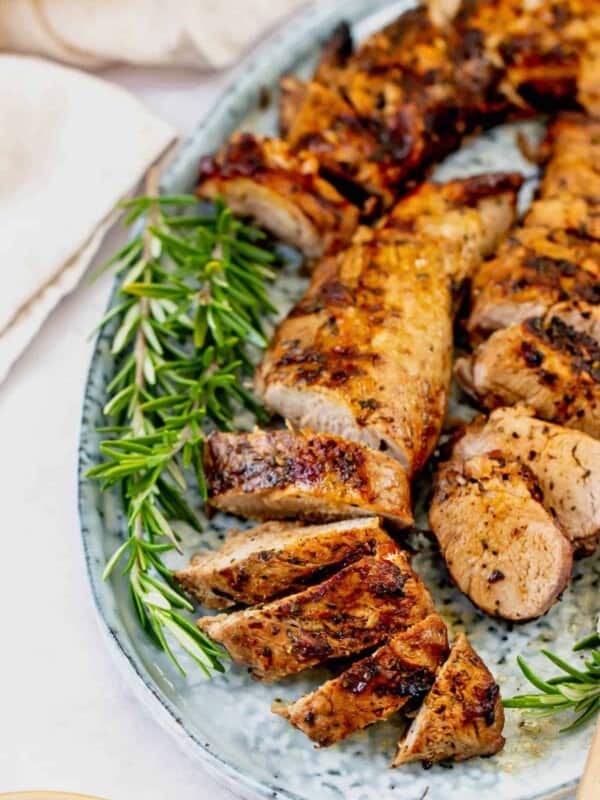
(292, 91)
(535, 268)
(570, 189)
(334, 54)
(283, 474)
(367, 352)
(256, 565)
(261, 178)
(555, 254)
(501, 547)
(483, 53)
(327, 125)
(355, 609)
(544, 51)
(462, 715)
(565, 462)
(401, 671)
(552, 363)
(291, 97)
(373, 119)
(467, 217)
(582, 317)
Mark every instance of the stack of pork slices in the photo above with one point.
(521, 493)
(361, 368)
(371, 602)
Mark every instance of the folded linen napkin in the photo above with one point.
(71, 147)
(205, 33)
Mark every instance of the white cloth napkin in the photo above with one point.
(71, 147)
(204, 33)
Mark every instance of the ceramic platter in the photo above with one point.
(226, 722)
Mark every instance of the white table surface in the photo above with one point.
(67, 720)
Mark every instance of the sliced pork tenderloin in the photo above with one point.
(282, 474)
(357, 608)
(552, 363)
(256, 565)
(565, 462)
(554, 255)
(462, 715)
(367, 352)
(399, 672)
(501, 547)
(282, 191)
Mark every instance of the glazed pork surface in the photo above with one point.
(535, 268)
(366, 353)
(502, 548)
(565, 462)
(402, 106)
(569, 196)
(552, 363)
(554, 255)
(399, 672)
(264, 179)
(357, 608)
(466, 217)
(282, 474)
(255, 565)
(493, 54)
(547, 52)
(407, 95)
(461, 717)
(540, 297)
(327, 126)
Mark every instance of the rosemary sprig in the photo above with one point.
(192, 292)
(573, 689)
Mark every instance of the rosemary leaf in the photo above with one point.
(573, 690)
(192, 293)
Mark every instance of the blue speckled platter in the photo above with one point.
(226, 722)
